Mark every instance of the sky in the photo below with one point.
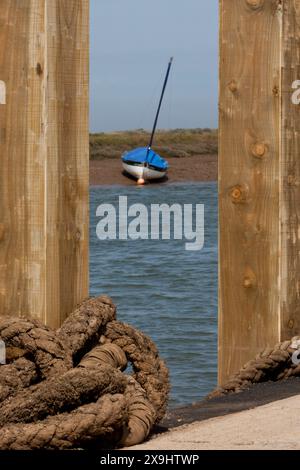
(131, 43)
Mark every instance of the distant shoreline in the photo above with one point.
(108, 171)
(191, 153)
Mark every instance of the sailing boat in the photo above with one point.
(143, 163)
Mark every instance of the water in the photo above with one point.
(162, 289)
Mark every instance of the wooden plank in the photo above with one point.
(68, 60)
(249, 180)
(290, 173)
(44, 157)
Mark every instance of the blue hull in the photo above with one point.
(139, 157)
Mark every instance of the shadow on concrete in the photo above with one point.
(256, 395)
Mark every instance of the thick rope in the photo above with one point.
(100, 422)
(16, 376)
(66, 389)
(149, 370)
(272, 364)
(50, 355)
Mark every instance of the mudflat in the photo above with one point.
(108, 171)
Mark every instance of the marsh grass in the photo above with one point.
(177, 143)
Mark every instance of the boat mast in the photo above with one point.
(159, 106)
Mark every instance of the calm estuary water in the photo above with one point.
(162, 289)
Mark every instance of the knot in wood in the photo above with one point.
(39, 69)
(249, 278)
(247, 282)
(238, 194)
(259, 150)
(232, 86)
(275, 90)
(255, 4)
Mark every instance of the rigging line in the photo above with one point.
(159, 108)
(170, 102)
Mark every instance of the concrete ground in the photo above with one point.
(272, 426)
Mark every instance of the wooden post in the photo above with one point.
(44, 157)
(259, 179)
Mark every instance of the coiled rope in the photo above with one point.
(272, 364)
(67, 389)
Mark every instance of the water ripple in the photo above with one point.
(159, 287)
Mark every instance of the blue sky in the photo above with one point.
(131, 43)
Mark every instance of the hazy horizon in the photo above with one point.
(128, 64)
(159, 129)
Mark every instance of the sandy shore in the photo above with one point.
(270, 427)
(195, 168)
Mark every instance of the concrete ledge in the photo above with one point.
(257, 395)
(267, 416)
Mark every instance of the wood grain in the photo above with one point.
(249, 181)
(44, 157)
(290, 174)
